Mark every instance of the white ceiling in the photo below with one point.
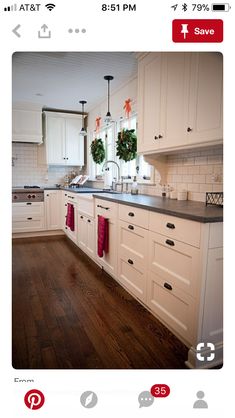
(63, 78)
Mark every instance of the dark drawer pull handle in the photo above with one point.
(131, 214)
(130, 261)
(131, 227)
(65, 204)
(29, 219)
(88, 220)
(169, 225)
(81, 217)
(168, 286)
(170, 242)
(28, 203)
(48, 195)
(71, 197)
(102, 207)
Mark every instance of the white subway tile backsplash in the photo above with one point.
(205, 187)
(199, 178)
(188, 161)
(206, 169)
(187, 178)
(202, 160)
(194, 169)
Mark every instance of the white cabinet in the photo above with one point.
(64, 145)
(132, 258)
(205, 118)
(27, 123)
(86, 224)
(108, 210)
(52, 200)
(28, 217)
(69, 198)
(180, 98)
(86, 234)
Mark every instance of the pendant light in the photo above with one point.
(83, 131)
(108, 117)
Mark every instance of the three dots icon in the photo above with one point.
(76, 30)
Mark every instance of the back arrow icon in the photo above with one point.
(15, 31)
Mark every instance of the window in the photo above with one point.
(108, 138)
(138, 167)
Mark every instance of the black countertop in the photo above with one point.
(187, 209)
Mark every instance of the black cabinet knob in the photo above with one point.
(189, 129)
(169, 225)
(130, 261)
(156, 137)
(29, 219)
(168, 286)
(88, 220)
(131, 214)
(81, 217)
(160, 136)
(170, 242)
(131, 227)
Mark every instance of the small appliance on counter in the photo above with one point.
(79, 181)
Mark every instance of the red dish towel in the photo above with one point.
(103, 235)
(70, 216)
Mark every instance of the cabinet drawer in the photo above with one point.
(106, 208)
(25, 225)
(86, 205)
(175, 262)
(133, 241)
(176, 228)
(174, 307)
(133, 277)
(134, 215)
(24, 210)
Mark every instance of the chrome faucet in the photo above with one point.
(118, 168)
(118, 182)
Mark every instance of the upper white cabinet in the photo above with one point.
(180, 98)
(64, 145)
(27, 123)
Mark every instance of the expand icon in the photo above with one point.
(205, 352)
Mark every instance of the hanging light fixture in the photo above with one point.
(83, 131)
(108, 117)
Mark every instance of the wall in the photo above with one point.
(29, 169)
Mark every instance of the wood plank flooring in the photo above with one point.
(69, 314)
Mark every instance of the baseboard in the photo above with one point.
(37, 234)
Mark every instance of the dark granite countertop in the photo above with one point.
(70, 189)
(187, 209)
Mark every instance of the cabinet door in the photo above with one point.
(82, 231)
(90, 237)
(174, 99)
(206, 98)
(109, 259)
(53, 209)
(149, 102)
(74, 142)
(132, 258)
(55, 140)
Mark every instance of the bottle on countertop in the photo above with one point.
(134, 186)
(168, 190)
(164, 190)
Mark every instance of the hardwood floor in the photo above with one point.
(69, 314)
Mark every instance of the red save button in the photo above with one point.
(197, 30)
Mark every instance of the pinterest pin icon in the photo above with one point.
(34, 399)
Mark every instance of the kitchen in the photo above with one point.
(117, 176)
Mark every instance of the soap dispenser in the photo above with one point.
(134, 186)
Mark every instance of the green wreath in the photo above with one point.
(97, 150)
(126, 145)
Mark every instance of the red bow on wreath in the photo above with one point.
(97, 124)
(127, 107)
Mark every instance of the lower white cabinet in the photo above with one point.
(52, 200)
(108, 210)
(173, 306)
(86, 234)
(68, 197)
(28, 217)
(132, 258)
